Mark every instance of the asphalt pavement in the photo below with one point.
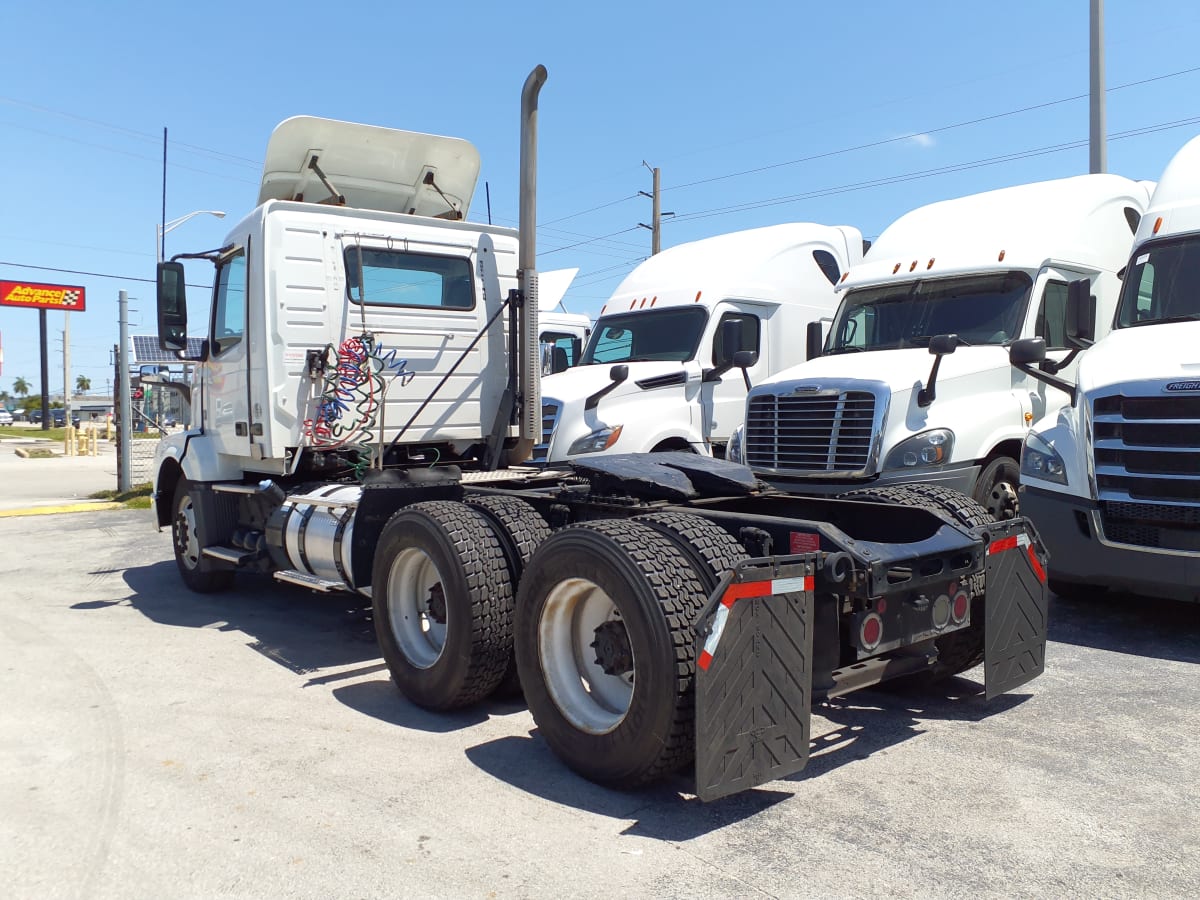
(54, 482)
(157, 743)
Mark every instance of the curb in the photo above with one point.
(50, 510)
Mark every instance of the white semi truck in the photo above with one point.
(1112, 480)
(366, 408)
(913, 384)
(660, 373)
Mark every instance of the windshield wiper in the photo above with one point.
(836, 350)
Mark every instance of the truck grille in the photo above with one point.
(827, 432)
(1146, 467)
(551, 410)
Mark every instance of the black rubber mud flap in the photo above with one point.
(1017, 599)
(754, 676)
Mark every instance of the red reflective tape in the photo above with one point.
(705, 660)
(1037, 566)
(746, 590)
(1008, 543)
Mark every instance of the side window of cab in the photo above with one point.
(229, 305)
(1052, 316)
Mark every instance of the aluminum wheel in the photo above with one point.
(417, 607)
(577, 617)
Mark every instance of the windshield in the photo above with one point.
(1162, 284)
(670, 334)
(980, 309)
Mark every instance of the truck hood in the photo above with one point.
(1154, 352)
(582, 381)
(900, 369)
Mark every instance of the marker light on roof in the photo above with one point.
(896, 268)
(698, 293)
(930, 266)
(1000, 258)
(913, 266)
(1157, 224)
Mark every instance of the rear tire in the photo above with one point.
(964, 649)
(199, 572)
(712, 550)
(606, 650)
(442, 604)
(520, 529)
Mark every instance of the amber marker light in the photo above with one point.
(930, 266)
(1157, 224)
(1000, 258)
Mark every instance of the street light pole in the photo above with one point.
(160, 231)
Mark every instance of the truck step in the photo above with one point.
(240, 488)
(234, 555)
(515, 473)
(317, 500)
(295, 576)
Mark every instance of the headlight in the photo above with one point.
(596, 441)
(930, 448)
(733, 450)
(1040, 460)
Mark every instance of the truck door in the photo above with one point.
(723, 402)
(1047, 320)
(227, 387)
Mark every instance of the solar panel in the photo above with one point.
(146, 350)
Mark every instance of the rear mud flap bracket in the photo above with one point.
(754, 676)
(1017, 602)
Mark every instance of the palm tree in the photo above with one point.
(20, 387)
(83, 384)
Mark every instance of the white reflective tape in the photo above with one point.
(788, 585)
(722, 616)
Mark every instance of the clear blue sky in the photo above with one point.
(731, 101)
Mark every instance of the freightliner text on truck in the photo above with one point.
(914, 382)
(1113, 479)
(659, 372)
(661, 612)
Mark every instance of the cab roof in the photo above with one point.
(370, 167)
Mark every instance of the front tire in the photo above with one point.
(996, 489)
(606, 650)
(200, 573)
(442, 604)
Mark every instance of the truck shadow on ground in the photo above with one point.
(1127, 623)
(869, 722)
(301, 630)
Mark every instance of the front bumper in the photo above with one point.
(1079, 554)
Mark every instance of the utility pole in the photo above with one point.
(656, 213)
(124, 435)
(1098, 153)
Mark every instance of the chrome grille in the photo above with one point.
(1146, 465)
(551, 411)
(820, 431)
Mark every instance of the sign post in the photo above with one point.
(65, 297)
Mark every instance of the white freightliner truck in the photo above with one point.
(1112, 480)
(659, 372)
(913, 383)
(365, 412)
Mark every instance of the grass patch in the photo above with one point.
(137, 497)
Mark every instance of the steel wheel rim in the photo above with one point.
(187, 546)
(590, 699)
(419, 635)
(1002, 500)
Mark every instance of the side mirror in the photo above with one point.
(941, 344)
(1027, 351)
(743, 360)
(815, 340)
(172, 307)
(1080, 325)
(618, 373)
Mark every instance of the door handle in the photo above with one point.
(239, 428)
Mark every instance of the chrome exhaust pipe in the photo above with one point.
(530, 375)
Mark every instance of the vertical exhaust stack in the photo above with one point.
(530, 374)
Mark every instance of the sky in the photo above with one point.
(756, 113)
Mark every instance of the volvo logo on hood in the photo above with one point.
(1175, 386)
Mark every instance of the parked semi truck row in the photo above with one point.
(370, 387)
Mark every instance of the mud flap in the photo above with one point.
(754, 676)
(1016, 608)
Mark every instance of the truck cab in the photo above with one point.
(1112, 478)
(913, 382)
(676, 346)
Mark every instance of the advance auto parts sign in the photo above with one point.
(42, 296)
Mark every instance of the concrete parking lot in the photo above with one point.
(156, 743)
